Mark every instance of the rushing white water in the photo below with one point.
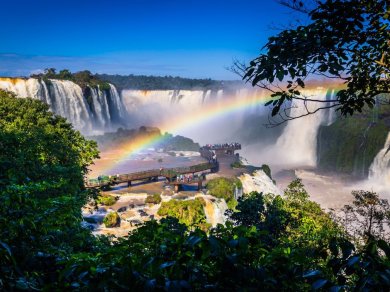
(100, 105)
(67, 99)
(297, 146)
(379, 172)
(159, 107)
(258, 182)
(116, 100)
(331, 112)
(215, 210)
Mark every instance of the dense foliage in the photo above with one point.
(143, 82)
(188, 212)
(106, 200)
(345, 40)
(153, 199)
(269, 243)
(284, 244)
(42, 164)
(112, 219)
(237, 164)
(224, 188)
(84, 78)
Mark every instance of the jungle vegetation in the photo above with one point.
(142, 82)
(269, 242)
(83, 78)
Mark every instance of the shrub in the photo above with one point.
(223, 188)
(232, 204)
(267, 170)
(188, 212)
(201, 200)
(106, 200)
(153, 199)
(237, 164)
(112, 220)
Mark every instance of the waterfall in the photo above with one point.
(69, 102)
(258, 182)
(99, 110)
(118, 107)
(215, 210)
(297, 146)
(379, 172)
(238, 193)
(100, 105)
(331, 112)
(22, 87)
(158, 107)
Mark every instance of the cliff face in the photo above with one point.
(350, 145)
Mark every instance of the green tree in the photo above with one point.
(65, 74)
(249, 211)
(43, 161)
(347, 40)
(50, 72)
(368, 216)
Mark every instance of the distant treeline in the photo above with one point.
(143, 82)
(83, 78)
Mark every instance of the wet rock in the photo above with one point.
(142, 213)
(135, 222)
(122, 209)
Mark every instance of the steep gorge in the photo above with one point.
(349, 145)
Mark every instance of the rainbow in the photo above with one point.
(180, 122)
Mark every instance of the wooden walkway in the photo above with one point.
(170, 175)
(209, 152)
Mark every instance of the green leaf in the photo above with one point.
(275, 110)
(311, 273)
(319, 284)
(167, 264)
(353, 260)
(280, 75)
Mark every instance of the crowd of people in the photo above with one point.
(186, 178)
(222, 146)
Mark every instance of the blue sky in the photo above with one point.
(189, 38)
